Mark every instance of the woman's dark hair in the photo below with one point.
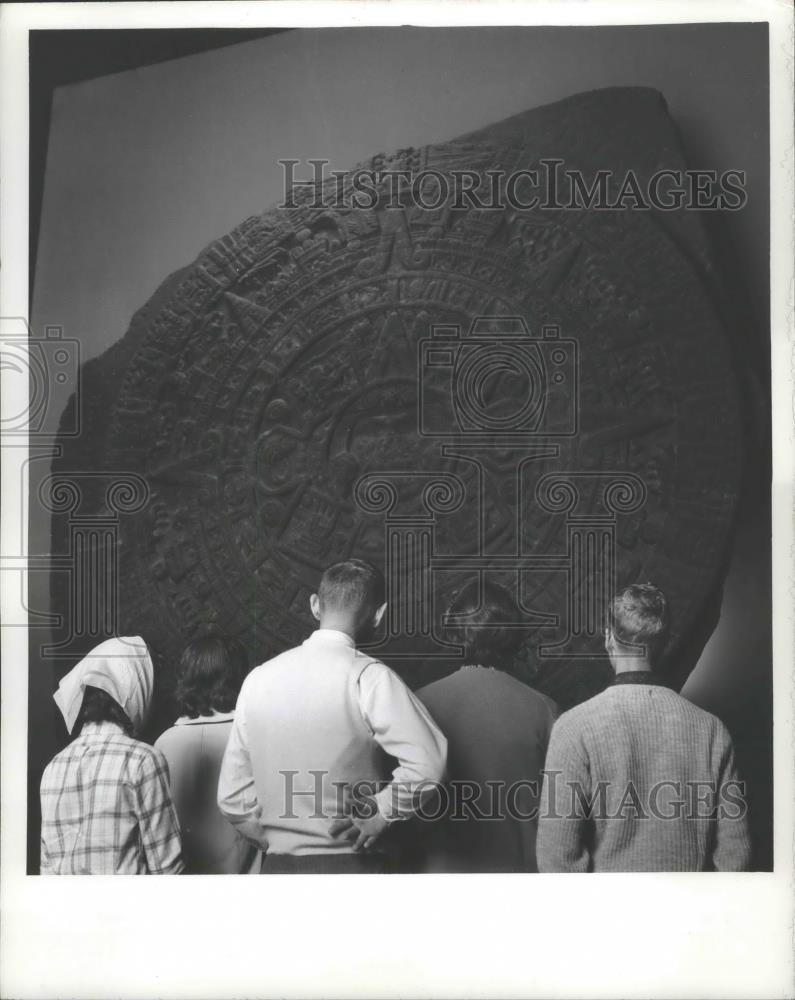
(98, 706)
(210, 674)
(491, 634)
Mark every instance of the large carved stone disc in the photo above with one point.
(545, 398)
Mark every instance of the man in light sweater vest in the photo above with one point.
(638, 778)
(311, 735)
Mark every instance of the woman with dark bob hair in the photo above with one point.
(210, 674)
(497, 730)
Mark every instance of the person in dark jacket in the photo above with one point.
(497, 728)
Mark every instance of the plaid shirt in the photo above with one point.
(106, 808)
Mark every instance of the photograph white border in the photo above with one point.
(435, 936)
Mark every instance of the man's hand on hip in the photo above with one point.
(363, 825)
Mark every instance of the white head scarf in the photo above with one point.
(122, 668)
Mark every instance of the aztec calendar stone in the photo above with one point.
(542, 397)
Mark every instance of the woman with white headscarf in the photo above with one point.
(105, 802)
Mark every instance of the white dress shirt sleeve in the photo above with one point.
(402, 726)
(237, 793)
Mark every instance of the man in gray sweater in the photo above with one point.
(638, 778)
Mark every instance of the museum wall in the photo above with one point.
(146, 167)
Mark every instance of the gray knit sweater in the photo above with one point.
(639, 779)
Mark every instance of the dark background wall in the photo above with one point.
(146, 166)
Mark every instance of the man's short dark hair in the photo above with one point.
(638, 616)
(211, 672)
(353, 585)
(492, 635)
(98, 706)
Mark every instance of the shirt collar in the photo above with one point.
(101, 729)
(638, 677)
(330, 635)
(205, 719)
